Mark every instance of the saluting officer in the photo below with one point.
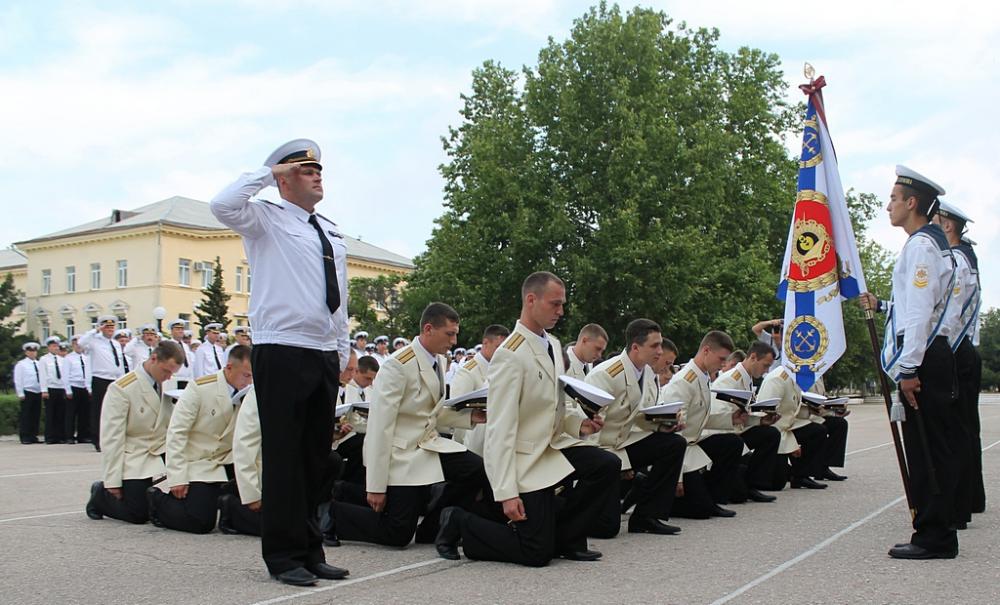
(298, 311)
(107, 361)
(916, 355)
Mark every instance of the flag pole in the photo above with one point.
(887, 396)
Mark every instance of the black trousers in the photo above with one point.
(703, 490)
(294, 389)
(98, 387)
(196, 513)
(55, 416)
(29, 416)
(77, 425)
(241, 518)
(351, 451)
(835, 450)
(546, 533)
(464, 477)
(132, 507)
(763, 442)
(933, 524)
(664, 454)
(971, 494)
(812, 440)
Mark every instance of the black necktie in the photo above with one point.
(329, 268)
(37, 377)
(83, 368)
(114, 352)
(641, 376)
(361, 394)
(551, 354)
(437, 372)
(586, 369)
(149, 351)
(124, 360)
(55, 360)
(218, 366)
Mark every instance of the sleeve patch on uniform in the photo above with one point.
(513, 342)
(127, 379)
(207, 379)
(921, 276)
(690, 376)
(617, 368)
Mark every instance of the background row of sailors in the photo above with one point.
(70, 380)
(407, 466)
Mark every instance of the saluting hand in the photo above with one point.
(376, 501)
(285, 170)
(514, 509)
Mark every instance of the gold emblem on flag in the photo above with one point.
(806, 340)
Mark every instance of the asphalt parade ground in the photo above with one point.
(810, 546)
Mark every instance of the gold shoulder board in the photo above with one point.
(690, 376)
(207, 379)
(513, 342)
(470, 365)
(616, 368)
(735, 375)
(406, 354)
(127, 379)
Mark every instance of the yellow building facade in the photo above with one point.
(160, 255)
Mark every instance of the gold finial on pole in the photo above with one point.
(809, 71)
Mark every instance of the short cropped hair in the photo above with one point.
(924, 198)
(638, 330)
(438, 314)
(737, 356)
(668, 345)
(717, 339)
(495, 331)
(239, 353)
(537, 281)
(168, 349)
(592, 331)
(760, 349)
(368, 364)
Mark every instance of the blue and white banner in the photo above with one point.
(821, 265)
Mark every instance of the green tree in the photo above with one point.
(10, 342)
(989, 348)
(376, 306)
(214, 308)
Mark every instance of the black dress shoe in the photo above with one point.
(331, 539)
(450, 533)
(97, 448)
(151, 506)
(718, 511)
(225, 526)
(829, 475)
(327, 572)
(912, 551)
(581, 555)
(70, 442)
(758, 496)
(962, 525)
(92, 510)
(807, 482)
(650, 525)
(296, 577)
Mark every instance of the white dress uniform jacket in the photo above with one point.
(186, 371)
(735, 378)
(136, 351)
(781, 384)
(471, 376)
(624, 422)
(691, 386)
(577, 369)
(247, 463)
(134, 422)
(106, 355)
(208, 359)
(527, 416)
(28, 376)
(200, 434)
(402, 443)
(54, 379)
(78, 369)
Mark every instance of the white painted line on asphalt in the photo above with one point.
(805, 555)
(874, 447)
(79, 470)
(990, 445)
(341, 584)
(72, 512)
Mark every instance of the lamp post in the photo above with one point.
(159, 313)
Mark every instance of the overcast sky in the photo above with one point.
(116, 105)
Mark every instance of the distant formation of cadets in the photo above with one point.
(534, 473)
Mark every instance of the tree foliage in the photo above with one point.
(989, 349)
(375, 305)
(214, 308)
(10, 342)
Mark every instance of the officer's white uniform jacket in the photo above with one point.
(471, 376)
(691, 386)
(52, 379)
(186, 371)
(78, 373)
(527, 415)
(200, 434)
(779, 383)
(624, 422)
(136, 351)
(204, 359)
(246, 449)
(134, 420)
(352, 393)
(402, 443)
(25, 378)
(102, 352)
(577, 369)
(735, 378)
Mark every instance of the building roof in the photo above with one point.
(11, 258)
(195, 214)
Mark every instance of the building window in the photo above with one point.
(46, 331)
(70, 328)
(185, 316)
(248, 280)
(93, 322)
(122, 322)
(239, 279)
(207, 274)
(71, 279)
(95, 276)
(46, 281)
(122, 273)
(184, 272)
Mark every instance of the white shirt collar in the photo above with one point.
(420, 347)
